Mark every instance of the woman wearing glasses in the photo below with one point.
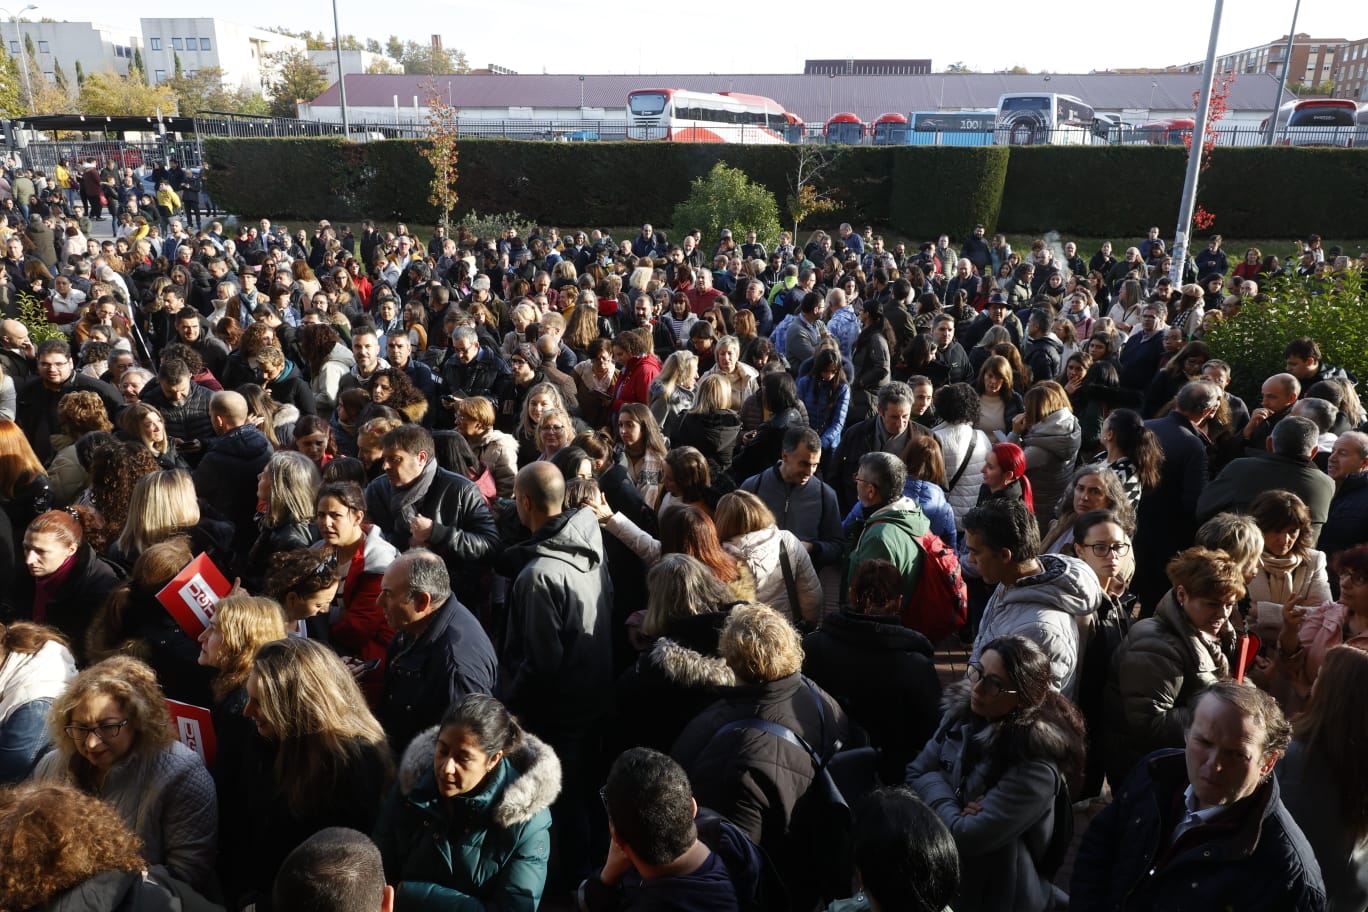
(114, 740)
(1094, 487)
(1008, 745)
(1171, 657)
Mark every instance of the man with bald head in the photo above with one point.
(1277, 393)
(226, 478)
(1346, 524)
(16, 350)
(557, 656)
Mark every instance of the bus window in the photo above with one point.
(647, 104)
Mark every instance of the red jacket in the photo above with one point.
(635, 385)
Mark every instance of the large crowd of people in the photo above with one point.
(574, 570)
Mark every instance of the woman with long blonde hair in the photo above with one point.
(319, 759)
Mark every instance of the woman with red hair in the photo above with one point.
(1004, 475)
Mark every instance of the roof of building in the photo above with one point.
(814, 98)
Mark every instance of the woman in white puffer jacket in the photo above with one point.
(964, 448)
(749, 533)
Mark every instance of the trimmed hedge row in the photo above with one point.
(919, 191)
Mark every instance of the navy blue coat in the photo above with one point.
(1252, 857)
(1165, 523)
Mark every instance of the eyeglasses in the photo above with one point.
(992, 686)
(555, 428)
(105, 731)
(1100, 549)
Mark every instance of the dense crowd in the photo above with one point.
(613, 572)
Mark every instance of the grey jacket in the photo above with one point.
(168, 799)
(1051, 447)
(1049, 609)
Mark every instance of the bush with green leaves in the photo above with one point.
(35, 319)
(1329, 310)
(726, 198)
(494, 224)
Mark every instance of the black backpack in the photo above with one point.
(820, 862)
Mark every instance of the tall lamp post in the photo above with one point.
(341, 79)
(23, 55)
(1282, 80)
(1194, 165)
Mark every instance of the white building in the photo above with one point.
(99, 48)
(239, 50)
(352, 62)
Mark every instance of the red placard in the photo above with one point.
(192, 594)
(1248, 649)
(194, 729)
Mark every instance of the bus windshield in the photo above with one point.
(648, 104)
(1322, 116)
(1026, 103)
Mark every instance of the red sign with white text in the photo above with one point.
(192, 594)
(194, 729)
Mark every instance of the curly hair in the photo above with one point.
(54, 837)
(81, 411)
(403, 394)
(114, 471)
(759, 645)
(303, 571)
(130, 682)
(316, 341)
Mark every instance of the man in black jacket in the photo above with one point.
(472, 370)
(951, 364)
(439, 653)
(35, 408)
(418, 504)
(184, 406)
(226, 477)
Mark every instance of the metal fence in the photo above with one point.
(126, 154)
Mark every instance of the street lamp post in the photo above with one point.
(1282, 80)
(341, 79)
(23, 55)
(1194, 165)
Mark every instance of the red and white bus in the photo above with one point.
(1315, 122)
(844, 129)
(1170, 132)
(679, 115)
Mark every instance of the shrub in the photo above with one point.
(726, 198)
(1099, 191)
(1327, 310)
(34, 317)
(947, 189)
(494, 224)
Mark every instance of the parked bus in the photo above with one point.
(844, 128)
(952, 128)
(794, 127)
(1315, 122)
(680, 115)
(891, 130)
(1043, 118)
(1170, 132)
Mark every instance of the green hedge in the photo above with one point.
(1093, 192)
(947, 189)
(919, 191)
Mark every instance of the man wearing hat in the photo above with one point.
(995, 313)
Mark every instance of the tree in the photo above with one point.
(373, 46)
(394, 48)
(424, 59)
(293, 78)
(1202, 220)
(176, 69)
(441, 152)
(80, 74)
(959, 66)
(383, 65)
(110, 94)
(805, 199)
(59, 76)
(205, 91)
(726, 198)
(1018, 70)
(138, 63)
(11, 83)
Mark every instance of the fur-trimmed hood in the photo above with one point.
(1044, 738)
(686, 667)
(532, 782)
